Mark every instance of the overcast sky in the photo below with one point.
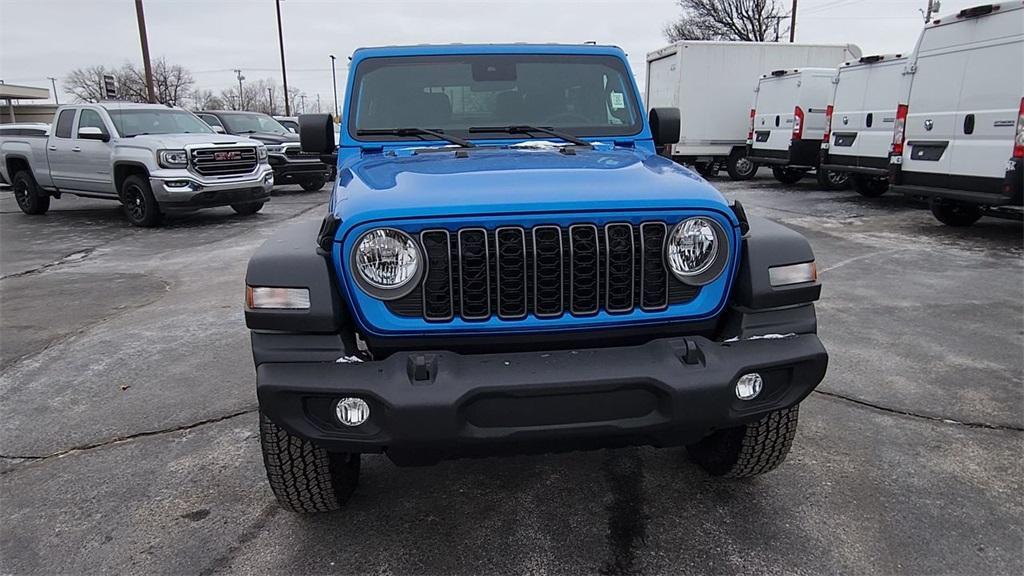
(41, 38)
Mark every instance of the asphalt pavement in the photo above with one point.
(128, 433)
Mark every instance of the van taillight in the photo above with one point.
(750, 131)
(899, 130)
(1018, 139)
(798, 123)
(828, 126)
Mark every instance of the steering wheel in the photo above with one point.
(567, 116)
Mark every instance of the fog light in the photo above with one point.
(177, 183)
(749, 386)
(269, 178)
(352, 411)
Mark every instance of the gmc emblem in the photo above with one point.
(230, 155)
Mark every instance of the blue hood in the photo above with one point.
(498, 180)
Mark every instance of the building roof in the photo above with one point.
(17, 92)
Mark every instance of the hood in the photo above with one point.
(507, 180)
(270, 137)
(181, 140)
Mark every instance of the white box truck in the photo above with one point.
(860, 120)
(712, 83)
(959, 135)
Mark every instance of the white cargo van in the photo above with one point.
(787, 124)
(711, 82)
(959, 136)
(860, 120)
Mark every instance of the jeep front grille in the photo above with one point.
(224, 161)
(511, 272)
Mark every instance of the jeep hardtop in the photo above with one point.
(508, 266)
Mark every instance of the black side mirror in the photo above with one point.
(316, 133)
(664, 125)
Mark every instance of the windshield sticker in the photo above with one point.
(618, 101)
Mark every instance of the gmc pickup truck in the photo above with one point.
(507, 265)
(153, 159)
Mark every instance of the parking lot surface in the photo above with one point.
(129, 442)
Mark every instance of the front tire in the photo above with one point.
(140, 206)
(952, 213)
(247, 209)
(740, 167)
(869, 187)
(304, 477)
(748, 450)
(313, 184)
(831, 180)
(787, 175)
(31, 200)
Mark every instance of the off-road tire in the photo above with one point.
(787, 175)
(140, 206)
(952, 213)
(830, 180)
(31, 200)
(740, 167)
(313, 184)
(247, 209)
(304, 477)
(748, 450)
(868, 186)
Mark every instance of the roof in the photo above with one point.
(23, 92)
(521, 48)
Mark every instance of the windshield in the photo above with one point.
(581, 95)
(242, 123)
(151, 121)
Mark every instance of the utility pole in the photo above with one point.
(141, 16)
(241, 102)
(284, 74)
(53, 82)
(270, 100)
(933, 6)
(334, 82)
(317, 102)
(792, 24)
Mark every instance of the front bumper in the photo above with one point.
(427, 406)
(290, 171)
(184, 190)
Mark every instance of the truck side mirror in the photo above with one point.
(316, 133)
(93, 133)
(217, 129)
(664, 125)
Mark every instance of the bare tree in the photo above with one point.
(85, 84)
(173, 83)
(741, 20)
(207, 100)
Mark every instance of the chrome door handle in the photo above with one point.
(76, 149)
(52, 148)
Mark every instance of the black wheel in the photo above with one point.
(248, 209)
(303, 476)
(140, 206)
(313, 184)
(830, 180)
(952, 213)
(707, 170)
(871, 187)
(787, 175)
(748, 450)
(27, 194)
(740, 167)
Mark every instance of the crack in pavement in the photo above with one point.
(76, 256)
(929, 417)
(127, 438)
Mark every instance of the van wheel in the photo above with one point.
(748, 450)
(27, 194)
(787, 175)
(247, 209)
(140, 207)
(869, 186)
(830, 180)
(303, 476)
(952, 213)
(740, 167)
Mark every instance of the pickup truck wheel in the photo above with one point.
(787, 175)
(870, 187)
(740, 167)
(30, 198)
(831, 180)
(140, 206)
(313, 184)
(748, 450)
(706, 169)
(952, 213)
(303, 476)
(248, 209)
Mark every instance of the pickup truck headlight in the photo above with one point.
(387, 263)
(172, 158)
(696, 251)
(261, 152)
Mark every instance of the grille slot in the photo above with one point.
(585, 269)
(224, 161)
(547, 271)
(653, 275)
(438, 303)
(511, 272)
(619, 259)
(474, 274)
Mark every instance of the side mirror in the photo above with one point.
(316, 133)
(664, 125)
(93, 133)
(217, 129)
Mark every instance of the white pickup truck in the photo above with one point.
(153, 159)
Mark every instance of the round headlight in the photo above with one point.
(693, 248)
(386, 260)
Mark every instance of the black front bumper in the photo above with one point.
(426, 406)
(214, 198)
(292, 171)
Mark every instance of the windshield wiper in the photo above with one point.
(525, 129)
(416, 132)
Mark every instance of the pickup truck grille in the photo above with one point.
(511, 272)
(224, 161)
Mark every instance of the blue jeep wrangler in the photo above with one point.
(507, 266)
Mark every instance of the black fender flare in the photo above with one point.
(768, 244)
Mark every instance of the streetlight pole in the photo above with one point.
(270, 100)
(284, 74)
(241, 102)
(317, 102)
(141, 16)
(334, 82)
(792, 24)
(302, 103)
(53, 82)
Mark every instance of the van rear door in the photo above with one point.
(773, 118)
(873, 121)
